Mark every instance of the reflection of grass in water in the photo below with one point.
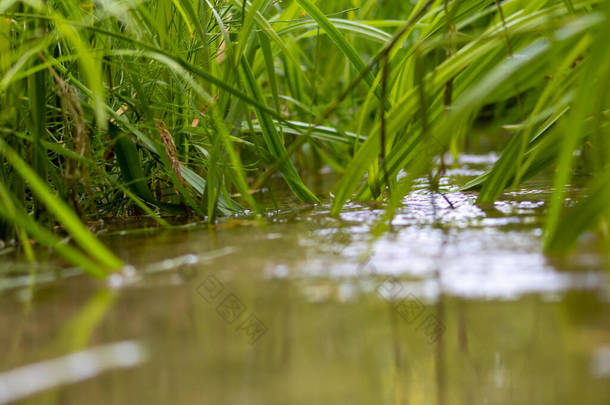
(176, 108)
(74, 335)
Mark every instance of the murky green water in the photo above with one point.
(453, 306)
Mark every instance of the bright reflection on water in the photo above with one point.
(454, 305)
(25, 381)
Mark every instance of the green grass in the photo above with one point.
(171, 107)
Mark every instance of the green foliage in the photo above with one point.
(174, 107)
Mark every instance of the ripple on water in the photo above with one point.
(453, 244)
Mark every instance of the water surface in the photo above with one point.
(452, 306)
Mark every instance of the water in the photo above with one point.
(452, 306)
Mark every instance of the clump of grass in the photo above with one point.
(119, 108)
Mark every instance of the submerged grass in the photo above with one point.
(117, 108)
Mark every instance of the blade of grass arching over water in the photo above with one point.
(61, 211)
(539, 157)
(596, 70)
(505, 172)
